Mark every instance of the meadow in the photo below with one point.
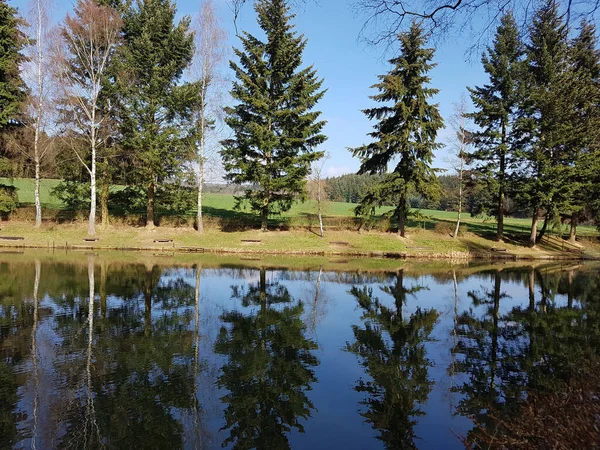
(301, 214)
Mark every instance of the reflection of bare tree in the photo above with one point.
(195, 401)
(318, 305)
(90, 419)
(34, 353)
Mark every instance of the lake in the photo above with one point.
(161, 351)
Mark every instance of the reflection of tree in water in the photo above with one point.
(532, 349)
(391, 349)
(269, 369)
(483, 357)
(135, 370)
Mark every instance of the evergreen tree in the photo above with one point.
(585, 88)
(545, 124)
(154, 104)
(269, 369)
(406, 130)
(12, 88)
(275, 129)
(390, 346)
(496, 106)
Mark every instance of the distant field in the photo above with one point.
(221, 205)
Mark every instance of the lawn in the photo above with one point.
(222, 205)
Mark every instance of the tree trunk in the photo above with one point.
(534, 222)
(459, 201)
(573, 230)
(402, 214)
(104, 195)
(150, 208)
(201, 160)
(199, 222)
(92, 220)
(501, 175)
(500, 230)
(319, 206)
(265, 215)
(543, 230)
(38, 205)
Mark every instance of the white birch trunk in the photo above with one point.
(39, 112)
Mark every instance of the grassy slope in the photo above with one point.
(221, 205)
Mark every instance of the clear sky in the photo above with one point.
(349, 67)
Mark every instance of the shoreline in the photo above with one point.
(448, 256)
(417, 245)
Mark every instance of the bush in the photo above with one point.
(9, 200)
(74, 195)
(447, 228)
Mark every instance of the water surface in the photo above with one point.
(151, 352)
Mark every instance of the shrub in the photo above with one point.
(74, 195)
(9, 201)
(448, 228)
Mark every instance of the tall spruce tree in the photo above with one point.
(154, 104)
(406, 131)
(545, 124)
(496, 105)
(12, 88)
(584, 87)
(275, 128)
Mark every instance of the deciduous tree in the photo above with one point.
(91, 37)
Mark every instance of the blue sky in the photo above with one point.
(349, 67)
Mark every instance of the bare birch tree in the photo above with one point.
(90, 38)
(316, 188)
(458, 147)
(37, 77)
(210, 40)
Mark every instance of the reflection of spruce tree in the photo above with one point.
(269, 368)
(486, 362)
(542, 345)
(558, 339)
(392, 351)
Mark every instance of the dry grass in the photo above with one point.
(567, 418)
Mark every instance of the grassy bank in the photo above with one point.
(337, 214)
(421, 243)
(228, 230)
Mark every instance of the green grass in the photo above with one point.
(222, 205)
(25, 191)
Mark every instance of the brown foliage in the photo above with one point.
(567, 418)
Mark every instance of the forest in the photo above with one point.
(121, 101)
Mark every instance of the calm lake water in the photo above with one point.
(208, 353)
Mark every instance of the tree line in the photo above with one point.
(122, 92)
(534, 134)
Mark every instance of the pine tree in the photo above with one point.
(496, 106)
(12, 88)
(154, 104)
(406, 130)
(545, 122)
(275, 128)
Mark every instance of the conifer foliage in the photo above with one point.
(497, 107)
(12, 89)
(275, 127)
(406, 131)
(154, 104)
